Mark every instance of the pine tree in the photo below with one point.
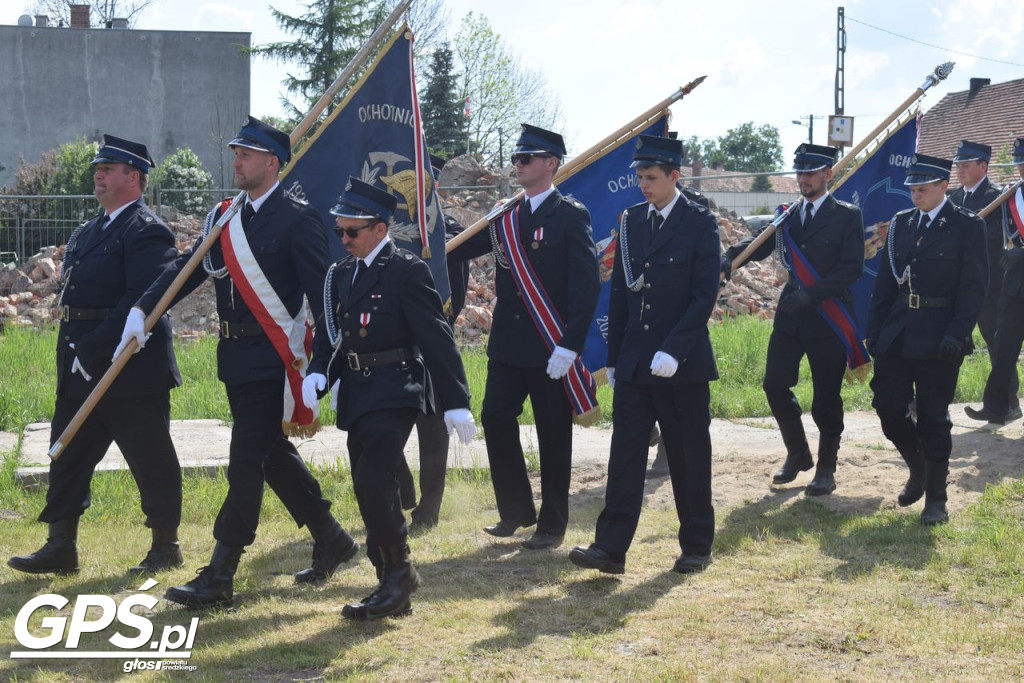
(441, 106)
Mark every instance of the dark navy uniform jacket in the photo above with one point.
(565, 261)
(680, 267)
(834, 245)
(109, 269)
(289, 241)
(404, 312)
(950, 263)
(982, 196)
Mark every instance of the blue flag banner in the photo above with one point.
(876, 186)
(376, 135)
(607, 186)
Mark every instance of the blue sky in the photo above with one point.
(767, 62)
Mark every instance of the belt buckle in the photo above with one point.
(914, 301)
(353, 361)
(225, 329)
(65, 313)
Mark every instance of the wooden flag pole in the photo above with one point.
(1003, 196)
(103, 384)
(580, 160)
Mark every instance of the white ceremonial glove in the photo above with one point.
(663, 365)
(134, 328)
(76, 366)
(461, 422)
(560, 362)
(313, 383)
(334, 394)
(609, 373)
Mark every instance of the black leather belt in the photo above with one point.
(67, 313)
(235, 330)
(365, 361)
(917, 301)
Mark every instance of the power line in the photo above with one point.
(937, 47)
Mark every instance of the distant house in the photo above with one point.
(732, 189)
(986, 113)
(167, 89)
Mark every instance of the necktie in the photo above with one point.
(527, 207)
(105, 222)
(808, 213)
(925, 220)
(360, 269)
(656, 220)
(247, 213)
(967, 196)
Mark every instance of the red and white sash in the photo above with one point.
(1016, 206)
(291, 337)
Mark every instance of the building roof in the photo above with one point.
(991, 114)
(740, 183)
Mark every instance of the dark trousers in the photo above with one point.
(684, 417)
(896, 381)
(433, 438)
(376, 444)
(506, 391)
(261, 452)
(1003, 383)
(827, 358)
(988, 319)
(140, 426)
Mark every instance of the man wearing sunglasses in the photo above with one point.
(554, 234)
(388, 344)
(271, 254)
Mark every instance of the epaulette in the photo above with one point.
(695, 196)
(848, 205)
(905, 212)
(345, 259)
(574, 202)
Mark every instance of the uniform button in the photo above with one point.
(647, 307)
(671, 260)
(803, 246)
(647, 265)
(647, 327)
(913, 260)
(517, 316)
(348, 334)
(72, 286)
(647, 286)
(519, 294)
(67, 338)
(77, 262)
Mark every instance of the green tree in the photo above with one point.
(73, 170)
(441, 106)
(748, 149)
(183, 174)
(502, 93)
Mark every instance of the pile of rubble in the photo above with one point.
(28, 294)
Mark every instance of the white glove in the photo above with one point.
(334, 394)
(313, 383)
(560, 362)
(134, 328)
(609, 373)
(76, 366)
(460, 421)
(663, 365)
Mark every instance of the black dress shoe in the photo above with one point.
(595, 558)
(505, 529)
(543, 541)
(794, 465)
(986, 415)
(690, 564)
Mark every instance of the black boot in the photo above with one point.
(214, 585)
(914, 488)
(400, 581)
(165, 553)
(356, 611)
(58, 556)
(935, 493)
(331, 546)
(798, 453)
(824, 481)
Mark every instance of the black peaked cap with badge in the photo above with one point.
(1018, 151)
(534, 140)
(972, 151)
(809, 158)
(363, 200)
(116, 150)
(652, 150)
(263, 137)
(924, 169)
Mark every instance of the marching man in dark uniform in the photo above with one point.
(108, 263)
(388, 343)
(822, 247)
(926, 301)
(1001, 387)
(660, 362)
(547, 285)
(271, 254)
(974, 194)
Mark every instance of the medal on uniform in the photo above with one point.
(538, 235)
(364, 320)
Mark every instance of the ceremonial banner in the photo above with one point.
(376, 135)
(606, 186)
(876, 186)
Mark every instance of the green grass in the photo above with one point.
(26, 394)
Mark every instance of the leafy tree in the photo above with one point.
(441, 106)
(73, 168)
(502, 93)
(747, 149)
(180, 171)
(101, 11)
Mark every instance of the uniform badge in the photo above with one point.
(364, 320)
(538, 235)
